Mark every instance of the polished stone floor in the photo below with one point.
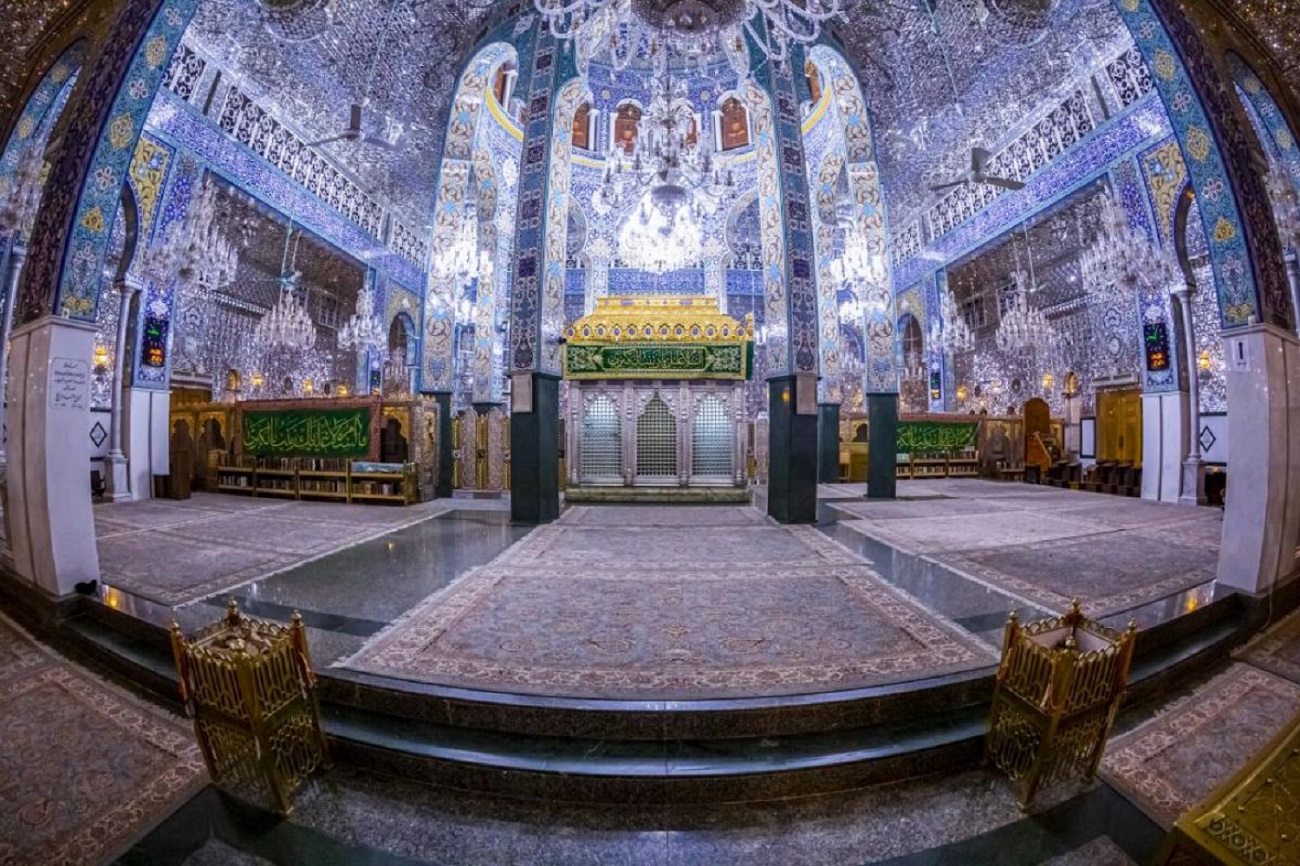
(1044, 546)
(651, 603)
(355, 570)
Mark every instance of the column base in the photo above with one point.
(117, 472)
(1193, 492)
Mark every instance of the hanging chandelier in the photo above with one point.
(625, 29)
(288, 325)
(1123, 253)
(671, 158)
(1022, 325)
(955, 334)
(364, 332)
(459, 263)
(1283, 197)
(658, 240)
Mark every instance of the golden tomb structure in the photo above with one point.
(656, 395)
(1059, 686)
(1252, 818)
(249, 686)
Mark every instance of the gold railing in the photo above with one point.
(249, 686)
(1253, 818)
(1059, 686)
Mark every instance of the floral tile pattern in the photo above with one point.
(1196, 743)
(85, 768)
(720, 610)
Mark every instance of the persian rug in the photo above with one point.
(1109, 573)
(1277, 649)
(671, 613)
(215, 550)
(86, 768)
(663, 515)
(1196, 743)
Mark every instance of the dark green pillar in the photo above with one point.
(444, 488)
(535, 448)
(882, 468)
(828, 443)
(792, 451)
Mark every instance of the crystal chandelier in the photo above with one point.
(459, 263)
(22, 197)
(1283, 197)
(955, 334)
(1023, 325)
(1124, 254)
(623, 29)
(364, 332)
(193, 244)
(672, 158)
(288, 325)
(658, 241)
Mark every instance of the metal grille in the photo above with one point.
(656, 441)
(712, 445)
(602, 440)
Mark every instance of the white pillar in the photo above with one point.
(1164, 438)
(116, 464)
(1192, 484)
(146, 432)
(17, 256)
(49, 479)
(1261, 524)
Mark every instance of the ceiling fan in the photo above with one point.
(355, 133)
(979, 161)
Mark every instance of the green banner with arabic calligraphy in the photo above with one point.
(659, 361)
(918, 436)
(308, 433)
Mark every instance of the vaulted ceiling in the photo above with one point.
(939, 75)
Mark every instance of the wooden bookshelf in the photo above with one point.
(276, 477)
(236, 477)
(321, 478)
(382, 482)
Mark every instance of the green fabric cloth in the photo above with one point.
(659, 361)
(914, 436)
(308, 433)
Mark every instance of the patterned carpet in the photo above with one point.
(1047, 546)
(1278, 649)
(85, 768)
(175, 553)
(1196, 743)
(690, 603)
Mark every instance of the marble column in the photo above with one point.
(882, 445)
(446, 459)
(49, 493)
(1192, 486)
(792, 444)
(534, 447)
(116, 464)
(17, 256)
(1261, 523)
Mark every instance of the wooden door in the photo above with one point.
(1119, 426)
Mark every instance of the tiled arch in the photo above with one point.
(1244, 248)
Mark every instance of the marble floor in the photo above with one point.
(1043, 546)
(650, 603)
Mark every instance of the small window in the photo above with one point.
(735, 125)
(582, 126)
(626, 128)
(501, 83)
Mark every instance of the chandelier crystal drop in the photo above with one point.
(288, 325)
(658, 241)
(623, 29)
(364, 332)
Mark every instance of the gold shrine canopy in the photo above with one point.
(659, 338)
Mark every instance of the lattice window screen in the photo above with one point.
(656, 440)
(712, 444)
(602, 440)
